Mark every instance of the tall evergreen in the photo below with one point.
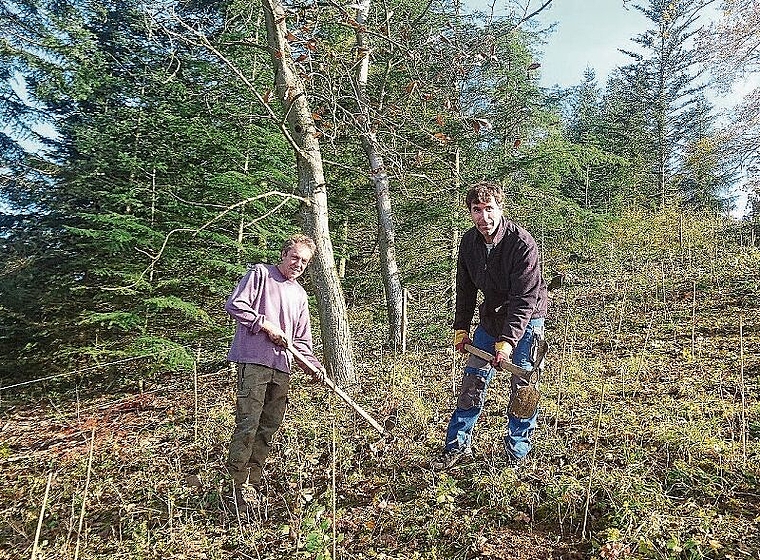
(595, 177)
(706, 166)
(667, 80)
(729, 47)
(130, 236)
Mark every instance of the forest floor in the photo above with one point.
(648, 444)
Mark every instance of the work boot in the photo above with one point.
(450, 457)
(244, 497)
(513, 462)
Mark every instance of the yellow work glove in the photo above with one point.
(461, 338)
(503, 352)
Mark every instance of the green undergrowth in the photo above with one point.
(648, 444)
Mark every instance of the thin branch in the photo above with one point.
(191, 203)
(42, 515)
(204, 41)
(269, 213)
(424, 11)
(84, 494)
(196, 231)
(534, 13)
(77, 371)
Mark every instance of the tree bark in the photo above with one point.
(300, 131)
(386, 232)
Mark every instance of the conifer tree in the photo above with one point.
(596, 172)
(668, 82)
(729, 48)
(133, 231)
(706, 167)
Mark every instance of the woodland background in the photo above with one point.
(151, 152)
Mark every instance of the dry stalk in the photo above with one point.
(615, 330)
(640, 363)
(333, 482)
(454, 362)
(593, 459)
(622, 314)
(42, 515)
(195, 391)
(743, 393)
(563, 362)
(237, 508)
(404, 318)
(454, 241)
(170, 511)
(694, 321)
(84, 494)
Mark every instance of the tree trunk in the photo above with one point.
(386, 234)
(300, 131)
(662, 110)
(379, 176)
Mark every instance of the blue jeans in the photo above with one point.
(473, 395)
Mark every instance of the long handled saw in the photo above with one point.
(340, 392)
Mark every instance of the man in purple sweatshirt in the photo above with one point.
(271, 310)
(501, 260)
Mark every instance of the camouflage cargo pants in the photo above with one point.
(261, 398)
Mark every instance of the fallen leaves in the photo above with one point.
(442, 138)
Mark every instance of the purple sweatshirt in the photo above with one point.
(264, 293)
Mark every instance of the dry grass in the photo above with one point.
(648, 445)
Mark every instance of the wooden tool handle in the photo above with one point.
(337, 390)
(487, 356)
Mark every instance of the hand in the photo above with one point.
(461, 338)
(274, 333)
(318, 375)
(503, 353)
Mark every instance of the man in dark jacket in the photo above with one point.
(500, 259)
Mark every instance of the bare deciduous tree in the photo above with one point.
(290, 91)
(297, 125)
(380, 180)
(731, 48)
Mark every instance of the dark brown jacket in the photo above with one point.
(509, 277)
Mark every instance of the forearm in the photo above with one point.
(243, 305)
(302, 339)
(244, 314)
(307, 352)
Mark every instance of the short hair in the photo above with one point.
(299, 239)
(482, 191)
